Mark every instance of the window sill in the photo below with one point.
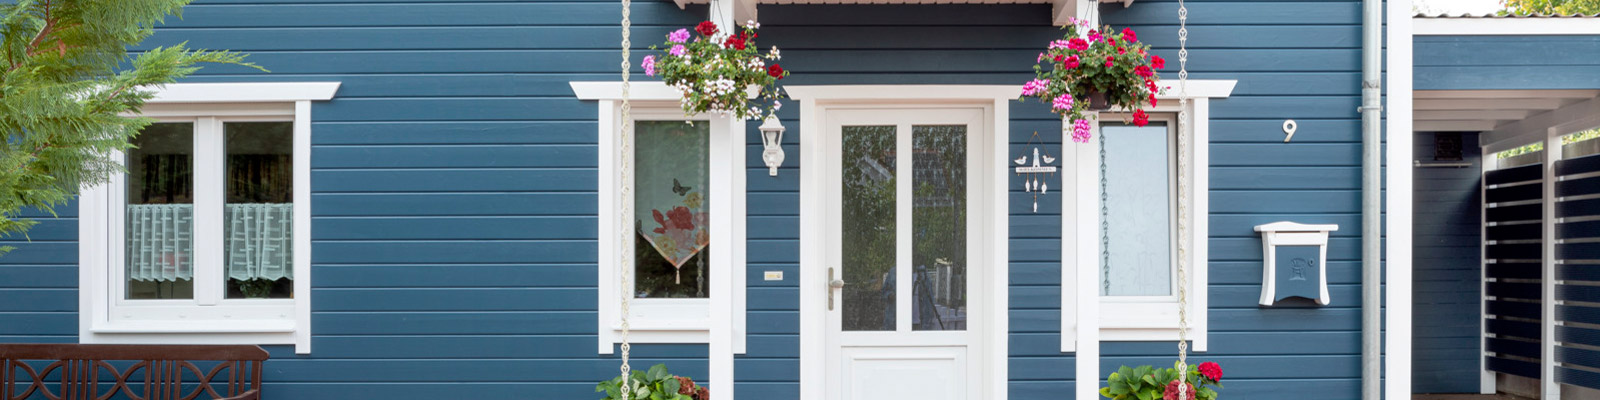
(181, 327)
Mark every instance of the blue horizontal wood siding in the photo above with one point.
(1507, 62)
(1447, 298)
(454, 187)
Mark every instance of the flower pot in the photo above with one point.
(1097, 101)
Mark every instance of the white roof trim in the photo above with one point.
(1506, 26)
(251, 92)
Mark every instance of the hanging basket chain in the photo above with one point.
(1184, 128)
(625, 263)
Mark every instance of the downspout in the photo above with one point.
(1371, 200)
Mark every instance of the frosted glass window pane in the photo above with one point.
(1138, 181)
(160, 214)
(672, 203)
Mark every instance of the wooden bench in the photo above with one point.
(148, 372)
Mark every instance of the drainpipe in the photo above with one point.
(1371, 200)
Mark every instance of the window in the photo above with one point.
(1121, 223)
(204, 239)
(684, 227)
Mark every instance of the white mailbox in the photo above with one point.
(1295, 264)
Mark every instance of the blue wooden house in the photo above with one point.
(433, 200)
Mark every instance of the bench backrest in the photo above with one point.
(150, 372)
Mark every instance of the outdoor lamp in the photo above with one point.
(772, 142)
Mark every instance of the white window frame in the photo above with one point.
(209, 318)
(1088, 318)
(670, 320)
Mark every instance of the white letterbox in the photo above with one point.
(1295, 266)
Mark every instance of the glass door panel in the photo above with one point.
(868, 234)
(939, 226)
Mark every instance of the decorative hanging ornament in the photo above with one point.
(1031, 171)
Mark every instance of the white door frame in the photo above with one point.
(815, 102)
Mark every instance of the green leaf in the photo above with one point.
(657, 372)
(670, 385)
(1106, 392)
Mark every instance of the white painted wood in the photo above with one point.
(1505, 94)
(1153, 318)
(1487, 104)
(1549, 388)
(1455, 126)
(1085, 261)
(1398, 231)
(917, 351)
(639, 91)
(672, 320)
(813, 265)
(209, 318)
(210, 185)
(995, 340)
(244, 92)
(720, 348)
(1505, 26)
(302, 226)
(1486, 378)
(815, 101)
(1455, 115)
(1580, 115)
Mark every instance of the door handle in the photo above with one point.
(833, 283)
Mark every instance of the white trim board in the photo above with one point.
(1398, 197)
(247, 92)
(1085, 320)
(814, 102)
(720, 320)
(208, 106)
(1501, 26)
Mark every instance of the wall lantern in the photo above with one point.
(772, 142)
(1295, 261)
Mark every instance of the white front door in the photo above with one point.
(904, 240)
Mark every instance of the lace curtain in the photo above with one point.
(258, 243)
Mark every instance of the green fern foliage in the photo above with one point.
(70, 91)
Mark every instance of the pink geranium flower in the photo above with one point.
(1034, 87)
(649, 65)
(678, 36)
(1062, 102)
(678, 50)
(1080, 131)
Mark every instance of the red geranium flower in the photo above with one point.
(1108, 61)
(707, 28)
(1211, 371)
(736, 42)
(1144, 71)
(1172, 391)
(1158, 62)
(1152, 100)
(1127, 34)
(1140, 119)
(1078, 44)
(775, 71)
(1150, 84)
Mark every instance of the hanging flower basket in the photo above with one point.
(713, 70)
(1149, 383)
(1090, 70)
(655, 384)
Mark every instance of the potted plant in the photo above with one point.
(1095, 70)
(1149, 383)
(713, 70)
(656, 384)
